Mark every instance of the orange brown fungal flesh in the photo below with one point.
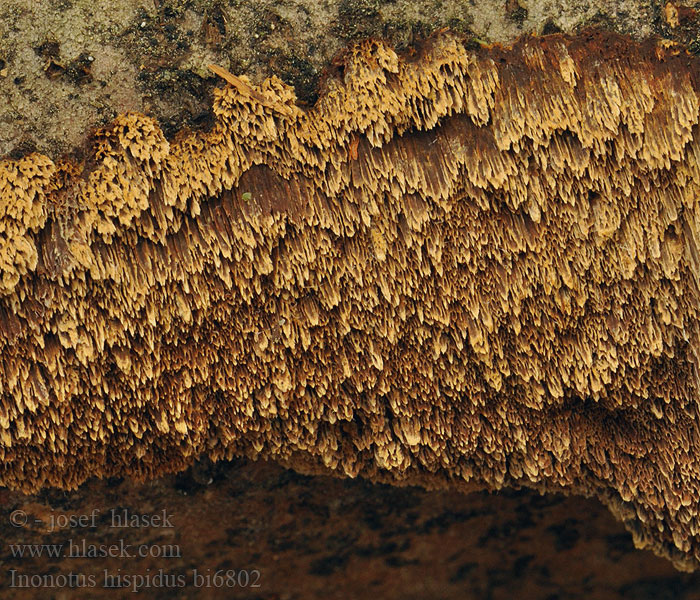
(465, 269)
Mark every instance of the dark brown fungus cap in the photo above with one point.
(473, 269)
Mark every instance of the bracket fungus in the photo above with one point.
(472, 268)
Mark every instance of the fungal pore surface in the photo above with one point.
(467, 267)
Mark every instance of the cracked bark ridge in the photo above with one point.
(466, 268)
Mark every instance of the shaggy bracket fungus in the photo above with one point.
(467, 268)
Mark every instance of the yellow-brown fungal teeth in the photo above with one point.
(467, 269)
